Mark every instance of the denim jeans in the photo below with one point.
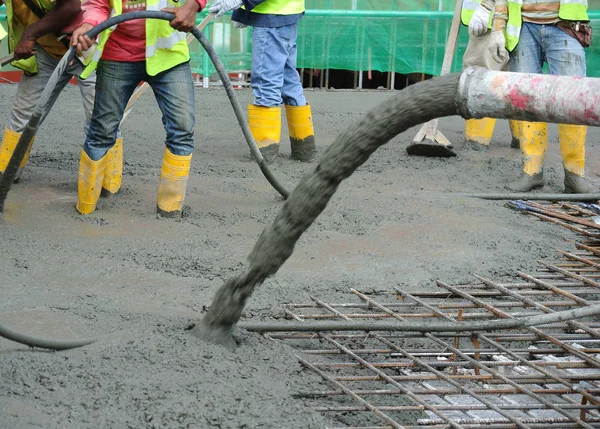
(274, 78)
(30, 90)
(115, 83)
(539, 43)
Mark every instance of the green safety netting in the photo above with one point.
(404, 36)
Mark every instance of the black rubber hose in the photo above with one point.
(32, 126)
(34, 123)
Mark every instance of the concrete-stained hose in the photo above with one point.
(475, 93)
(43, 343)
(488, 325)
(34, 123)
(412, 106)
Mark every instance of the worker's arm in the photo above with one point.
(480, 19)
(497, 39)
(185, 16)
(56, 18)
(500, 15)
(95, 12)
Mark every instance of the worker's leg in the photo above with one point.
(29, 91)
(269, 56)
(174, 91)
(297, 110)
(113, 172)
(528, 57)
(566, 57)
(478, 132)
(115, 82)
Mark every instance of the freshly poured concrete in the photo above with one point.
(138, 282)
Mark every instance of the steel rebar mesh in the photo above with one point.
(537, 377)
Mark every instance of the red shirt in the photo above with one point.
(128, 41)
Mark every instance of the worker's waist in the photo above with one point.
(252, 19)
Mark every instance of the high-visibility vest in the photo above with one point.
(16, 30)
(280, 7)
(3, 32)
(165, 46)
(570, 10)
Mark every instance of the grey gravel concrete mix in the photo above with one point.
(138, 282)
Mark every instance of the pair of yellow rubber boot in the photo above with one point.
(534, 143)
(171, 189)
(265, 125)
(478, 132)
(114, 161)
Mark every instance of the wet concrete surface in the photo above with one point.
(137, 281)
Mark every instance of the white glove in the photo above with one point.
(238, 25)
(479, 22)
(221, 7)
(498, 47)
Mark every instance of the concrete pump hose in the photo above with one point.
(32, 126)
(490, 325)
(42, 343)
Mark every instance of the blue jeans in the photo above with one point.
(116, 81)
(539, 43)
(274, 78)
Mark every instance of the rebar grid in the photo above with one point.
(581, 218)
(537, 377)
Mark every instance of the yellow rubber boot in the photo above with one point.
(515, 131)
(265, 125)
(572, 148)
(173, 182)
(113, 171)
(478, 132)
(89, 183)
(302, 132)
(534, 142)
(7, 148)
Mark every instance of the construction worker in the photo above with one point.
(535, 33)
(34, 27)
(478, 18)
(274, 78)
(125, 56)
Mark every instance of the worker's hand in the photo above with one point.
(24, 48)
(498, 47)
(185, 16)
(221, 7)
(479, 22)
(238, 25)
(80, 40)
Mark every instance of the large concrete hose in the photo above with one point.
(475, 93)
(34, 123)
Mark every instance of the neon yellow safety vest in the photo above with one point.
(570, 10)
(15, 32)
(280, 7)
(3, 32)
(165, 46)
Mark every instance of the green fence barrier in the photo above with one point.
(401, 36)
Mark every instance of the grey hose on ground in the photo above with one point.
(538, 197)
(34, 123)
(44, 343)
(489, 325)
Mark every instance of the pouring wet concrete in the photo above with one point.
(138, 281)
